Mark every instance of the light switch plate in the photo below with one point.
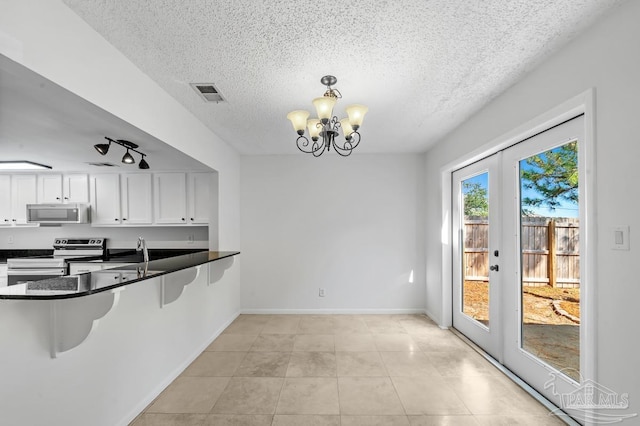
(619, 238)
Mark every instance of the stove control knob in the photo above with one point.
(91, 241)
(57, 242)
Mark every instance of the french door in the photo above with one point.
(518, 241)
(476, 238)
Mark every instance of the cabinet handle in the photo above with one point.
(6, 220)
(124, 218)
(13, 220)
(66, 198)
(57, 198)
(191, 219)
(117, 219)
(183, 219)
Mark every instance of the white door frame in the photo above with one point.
(583, 103)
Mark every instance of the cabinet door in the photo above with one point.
(5, 200)
(49, 189)
(199, 198)
(23, 192)
(137, 207)
(105, 199)
(170, 198)
(75, 189)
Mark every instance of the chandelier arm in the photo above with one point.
(344, 150)
(318, 149)
(354, 142)
(302, 145)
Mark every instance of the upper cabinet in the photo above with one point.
(121, 200)
(16, 191)
(170, 198)
(105, 199)
(142, 199)
(54, 188)
(136, 199)
(182, 198)
(199, 198)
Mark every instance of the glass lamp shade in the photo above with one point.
(324, 107)
(314, 127)
(299, 120)
(346, 128)
(356, 115)
(128, 158)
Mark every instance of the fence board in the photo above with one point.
(550, 251)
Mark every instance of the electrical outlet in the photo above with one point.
(321, 292)
(10, 239)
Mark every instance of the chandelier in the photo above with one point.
(326, 125)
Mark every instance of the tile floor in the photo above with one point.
(341, 370)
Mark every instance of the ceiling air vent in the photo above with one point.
(102, 164)
(208, 91)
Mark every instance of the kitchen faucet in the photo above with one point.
(142, 246)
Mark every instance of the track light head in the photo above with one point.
(128, 158)
(143, 164)
(102, 148)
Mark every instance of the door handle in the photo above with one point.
(494, 268)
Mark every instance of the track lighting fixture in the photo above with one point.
(127, 158)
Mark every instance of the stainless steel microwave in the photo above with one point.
(58, 213)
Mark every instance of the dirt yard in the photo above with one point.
(538, 308)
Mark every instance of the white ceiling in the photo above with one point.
(422, 66)
(45, 123)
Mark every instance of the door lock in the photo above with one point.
(494, 268)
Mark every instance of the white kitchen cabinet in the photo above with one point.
(57, 188)
(170, 198)
(5, 200)
(105, 199)
(182, 198)
(135, 196)
(121, 200)
(199, 190)
(23, 192)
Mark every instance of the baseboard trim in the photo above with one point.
(155, 392)
(333, 311)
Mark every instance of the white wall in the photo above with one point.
(352, 226)
(138, 347)
(605, 58)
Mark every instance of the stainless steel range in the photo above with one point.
(25, 269)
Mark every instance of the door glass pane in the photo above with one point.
(550, 258)
(475, 246)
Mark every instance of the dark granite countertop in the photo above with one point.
(95, 282)
(8, 254)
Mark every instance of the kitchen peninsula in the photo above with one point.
(89, 283)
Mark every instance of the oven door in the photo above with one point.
(21, 276)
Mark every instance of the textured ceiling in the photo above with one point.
(422, 66)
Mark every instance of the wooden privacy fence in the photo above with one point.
(550, 251)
